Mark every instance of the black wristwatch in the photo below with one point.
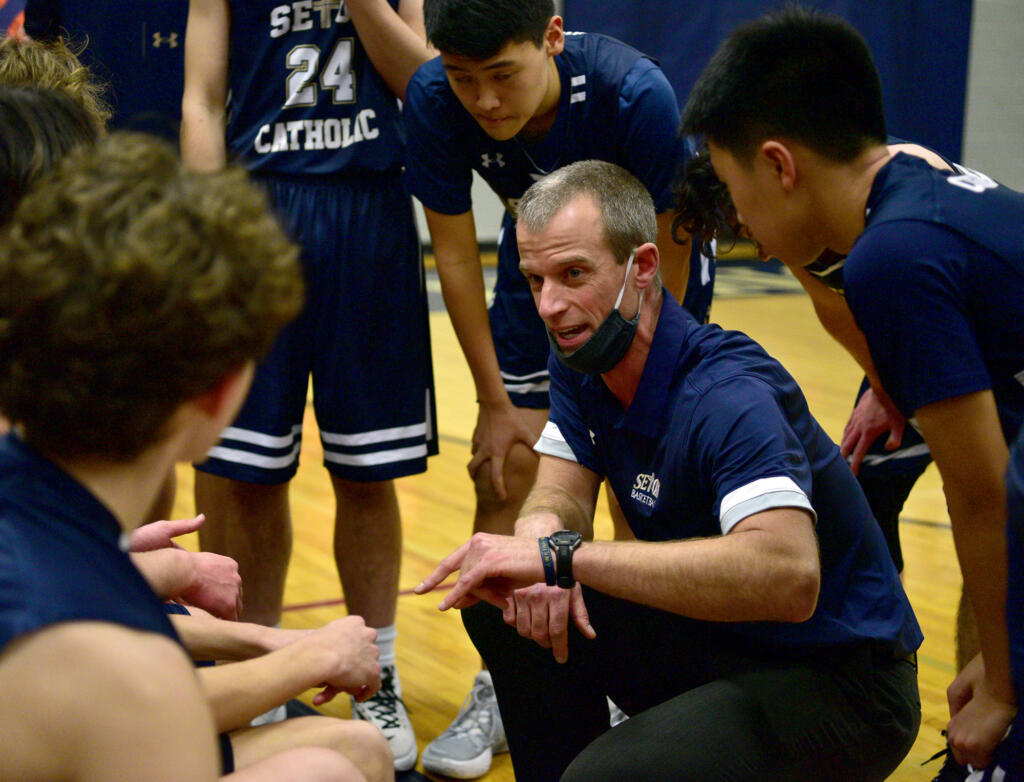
(564, 542)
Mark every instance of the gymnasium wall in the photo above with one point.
(919, 46)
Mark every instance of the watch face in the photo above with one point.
(566, 537)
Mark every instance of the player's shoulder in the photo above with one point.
(102, 684)
(602, 56)
(429, 86)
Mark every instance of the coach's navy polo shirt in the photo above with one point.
(60, 553)
(716, 432)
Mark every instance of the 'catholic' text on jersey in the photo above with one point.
(305, 98)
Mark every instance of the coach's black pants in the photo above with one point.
(701, 707)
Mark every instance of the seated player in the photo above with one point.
(134, 299)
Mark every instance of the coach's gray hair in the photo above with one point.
(626, 207)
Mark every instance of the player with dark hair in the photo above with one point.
(314, 115)
(38, 129)
(791, 109)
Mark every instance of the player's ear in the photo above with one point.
(780, 161)
(224, 399)
(646, 260)
(554, 36)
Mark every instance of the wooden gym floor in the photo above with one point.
(436, 660)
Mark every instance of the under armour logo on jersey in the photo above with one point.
(593, 437)
(486, 160)
(159, 39)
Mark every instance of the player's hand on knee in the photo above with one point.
(498, 428)
(979, 719)
(868, 421)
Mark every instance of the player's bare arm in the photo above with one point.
(395, 42)
(970, 451)
(674, 258)
(128, 708)
(458, 267)
(340, 657)
(202, 578)
(208, 638)
(203, 104)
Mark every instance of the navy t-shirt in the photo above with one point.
(305, 98)
(948, 250)
(60, 554)
(719, 431)
(615, 105)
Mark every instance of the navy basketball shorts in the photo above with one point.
(519, 334)
(363, 336)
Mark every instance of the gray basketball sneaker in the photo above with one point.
(465, 749)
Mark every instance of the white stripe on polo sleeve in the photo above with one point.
(761, 495)
(552, 442)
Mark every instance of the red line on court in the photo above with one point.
(338, 601)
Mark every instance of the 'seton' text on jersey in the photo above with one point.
(303, 14)
(308, 134)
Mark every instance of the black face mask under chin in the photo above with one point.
(608, 344)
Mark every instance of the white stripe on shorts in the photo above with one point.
(526, 384)
(528, 388)
(376, 457)
(258, 438)
(254, 459)
(378, 436)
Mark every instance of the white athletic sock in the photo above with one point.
(386, 644)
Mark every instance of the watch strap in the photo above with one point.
(563, 555)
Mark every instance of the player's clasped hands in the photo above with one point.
(355, 669)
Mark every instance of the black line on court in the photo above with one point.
(923, 523)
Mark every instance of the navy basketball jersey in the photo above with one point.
(61, 555)
(305, 98)
(949, 247)
(615, 105)
(135, 46)
(828, 267)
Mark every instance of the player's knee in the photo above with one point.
(519, 472)
(318, 764)
(365, 746)
(363, 493)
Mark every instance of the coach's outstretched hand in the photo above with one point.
(506, 571)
